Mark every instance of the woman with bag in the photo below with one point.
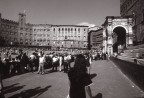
(79, 79)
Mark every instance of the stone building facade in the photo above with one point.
(69, 36)
(8, 32)
(56, 36)
(95, 39)
(41, 35)
(134, 8)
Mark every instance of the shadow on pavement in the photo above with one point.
(93, 75)
(8, 87)
(99, 95)
(133, 71)
(12, 88)
(48, 72)
(31, 92)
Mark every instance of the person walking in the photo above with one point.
(79, 79)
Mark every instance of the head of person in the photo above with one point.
(41, 53)
(25, 54)
(80, 64)
(20, 51)
(33, 53)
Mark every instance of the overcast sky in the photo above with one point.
(64, 12)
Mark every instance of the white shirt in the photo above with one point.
(32, 56)
(55, 59)
(41, 59)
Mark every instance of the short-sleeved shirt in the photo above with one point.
(77, 87)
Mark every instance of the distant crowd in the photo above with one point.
(14, 60)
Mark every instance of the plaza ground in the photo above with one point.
(108, 82)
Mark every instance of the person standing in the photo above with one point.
(20, 57)
(24, 61)
(88, 62)
(41, 63)
(60, 62)
(6, 65)
(32, 61)
(65, 63)
(55, 63)
(79, 79)
(107, 56)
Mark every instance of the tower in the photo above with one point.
(22, 19)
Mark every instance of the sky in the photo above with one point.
(60, 12)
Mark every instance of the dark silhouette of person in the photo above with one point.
(79, 79)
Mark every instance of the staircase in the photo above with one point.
(133, 54)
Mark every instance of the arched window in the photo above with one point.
(68, 29)
(54, 29)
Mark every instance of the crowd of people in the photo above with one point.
(16, 60)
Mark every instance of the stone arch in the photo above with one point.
(112, 23)
(120, 26)
(119, 38)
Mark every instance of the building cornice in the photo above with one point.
(95, 30)
(9, 21)
(69, 26)
(41, 25)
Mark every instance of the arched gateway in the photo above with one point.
(117, 33)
